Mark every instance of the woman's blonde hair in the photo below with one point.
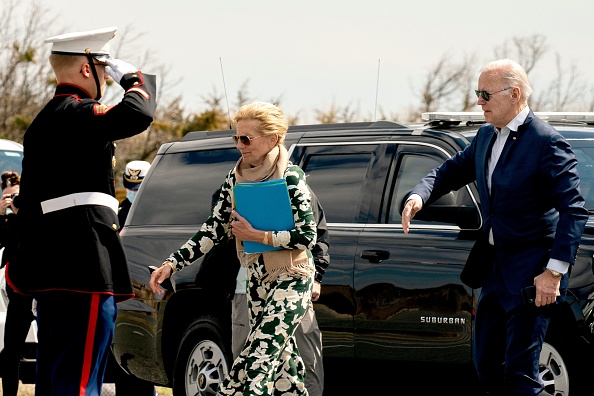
(271, 117)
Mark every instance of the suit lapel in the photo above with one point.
(511, 141)
(490, 137)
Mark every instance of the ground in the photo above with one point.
(29, 390)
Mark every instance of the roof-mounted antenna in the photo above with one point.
(225, 88)
(376, 90)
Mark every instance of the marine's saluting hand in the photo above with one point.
(117, 68)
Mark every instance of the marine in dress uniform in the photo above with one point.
(133, 176)
(70, 257)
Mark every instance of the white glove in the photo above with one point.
(117, 68)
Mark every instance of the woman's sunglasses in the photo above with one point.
(487, 95)
(246, 140)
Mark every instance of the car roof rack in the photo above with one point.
(453, 118)
(567, 116)
(449, 118)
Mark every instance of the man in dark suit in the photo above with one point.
(70, 257)
(533, 217)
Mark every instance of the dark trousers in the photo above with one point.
(19, 316)
(75, 331)
(507, 344)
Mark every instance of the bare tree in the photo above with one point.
(561, 94)
(447, 80)
(25, 79)
(448, 85)
(337, 114)
(243, 97)
(169, 118)
(527, 51)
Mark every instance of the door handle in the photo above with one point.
(375, 256)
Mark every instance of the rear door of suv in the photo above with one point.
(387, 295)
(341, 173)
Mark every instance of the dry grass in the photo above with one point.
(29, 390)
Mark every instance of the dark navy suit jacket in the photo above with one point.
(535, 208)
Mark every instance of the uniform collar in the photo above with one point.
(72, 90)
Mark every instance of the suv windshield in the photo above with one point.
(187, 179)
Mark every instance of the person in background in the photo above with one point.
(19, 314)
(70, 257)
(308, 334)
(133, 176)
(534, 216)
(281, 280)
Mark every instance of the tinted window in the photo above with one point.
(585, 167)
(11, 161)
(411, 170)
(339, 179)
(179, 191)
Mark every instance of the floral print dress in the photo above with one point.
(269, 363)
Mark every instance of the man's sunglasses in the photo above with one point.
(487, 95)
(246, 140)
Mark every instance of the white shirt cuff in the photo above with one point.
(558, 265)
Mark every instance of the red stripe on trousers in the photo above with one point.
(88, 357)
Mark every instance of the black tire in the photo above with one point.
(129, 385)
(202, 360)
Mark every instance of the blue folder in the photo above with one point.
(267, 206)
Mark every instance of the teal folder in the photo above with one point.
(267, 206)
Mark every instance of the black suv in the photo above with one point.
(390, 303)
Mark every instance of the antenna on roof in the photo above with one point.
(376, 90)
(225, 88)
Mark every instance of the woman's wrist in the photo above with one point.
(171, 265)
(265, 239)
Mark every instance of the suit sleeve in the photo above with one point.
(131, 116)
(453, 174)
(320, 252)
(560, 167)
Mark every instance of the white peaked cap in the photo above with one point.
(135, 173)
(92, 42)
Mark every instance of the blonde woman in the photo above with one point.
(279, 282)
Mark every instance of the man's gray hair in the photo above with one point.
(512, 74)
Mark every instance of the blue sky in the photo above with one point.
(313, 54)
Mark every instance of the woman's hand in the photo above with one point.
(158, 276)
(316, 290)
(243, 230)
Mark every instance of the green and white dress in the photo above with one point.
(269, 363)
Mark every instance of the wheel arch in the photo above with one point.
(183, 310)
